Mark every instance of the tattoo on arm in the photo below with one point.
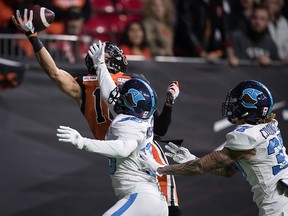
(211, 162)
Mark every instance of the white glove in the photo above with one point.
(97, 53)
(67, 134)
(179, 154)
(24, 25)
(172, 92)
(150, 164)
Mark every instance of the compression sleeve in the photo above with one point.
(111, 148)
(106, 84)
(162, 121)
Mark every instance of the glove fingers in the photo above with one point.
(25, 14)
(66, 136)
(172, 150)
(95, 47)
(100, 45)
(65, 128)
(172, 146)
(31, 15)
(92, 50)
(63, 140)
(169, 154)
(90, 53)
(18, 16)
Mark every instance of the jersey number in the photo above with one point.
(277, 143)
(100, 118)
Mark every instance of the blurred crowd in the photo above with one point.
(210, 29)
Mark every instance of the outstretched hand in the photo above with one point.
(97, 53)
(172, 93)
(70, 135)
(24, 25)
(179, 154)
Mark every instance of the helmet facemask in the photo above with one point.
(115, 60)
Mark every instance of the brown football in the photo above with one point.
(42, 17)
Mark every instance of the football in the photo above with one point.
(42, 18)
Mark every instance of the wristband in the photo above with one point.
(36, 43)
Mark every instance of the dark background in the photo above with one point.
(40, 176)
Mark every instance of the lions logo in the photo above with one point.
(250, 97)
(132, 97)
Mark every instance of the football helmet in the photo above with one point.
(135, 97)
(115, 63)
(249, 100)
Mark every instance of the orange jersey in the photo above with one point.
(93, 107)
(98, 117)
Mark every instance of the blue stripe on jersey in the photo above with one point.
(132, 118)
(130, 201)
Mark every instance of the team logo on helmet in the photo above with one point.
(132, 97)
(250, 97)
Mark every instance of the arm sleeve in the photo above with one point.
(111, 148)
(106, 84)
(129, 131)
(162, 121)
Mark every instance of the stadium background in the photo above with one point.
(41, 176)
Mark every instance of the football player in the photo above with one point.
(134, 102)
(255, 147)
(86, 92)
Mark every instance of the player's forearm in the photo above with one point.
(47, 63)
(106, 84)
(163, 121)
(110, 148)
(210, 162)
(185, 169)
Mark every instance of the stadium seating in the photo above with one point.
(103, 6)
(129, 6)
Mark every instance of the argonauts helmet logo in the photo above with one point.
(132, 97)
(250, 97)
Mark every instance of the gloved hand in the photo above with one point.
(179, 154)
(67, 134)
(172, 92)
(149, 163)
(97, 53)
(24, 25)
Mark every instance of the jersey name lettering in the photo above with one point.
(89, 78)
(269, 129)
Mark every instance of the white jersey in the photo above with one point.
(127, 172)
(268, 165)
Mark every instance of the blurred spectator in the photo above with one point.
(73, 25)
(239, 19)
(241, 14)
(134, 41)
(255, 43)
(201, 28)
(278, 27)
(61, 10)
(158, 20)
